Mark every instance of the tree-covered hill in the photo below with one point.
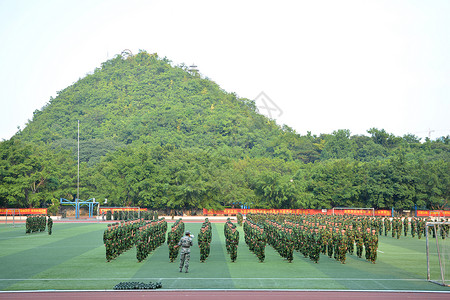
(161, 136)
(143, 99)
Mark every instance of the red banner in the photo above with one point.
(113, 209)
(433, 213)
(358, 212)
(23, 211)
(383, 213)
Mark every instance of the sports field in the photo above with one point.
(73, 258)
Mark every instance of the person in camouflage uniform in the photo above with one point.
(49, 225)
(342, 246)
(387, 225)
(394, 227)
(185, 243)
(405, 226)
(261, 241)
(288, 244)
(380, 225)
(359, 241)
(420, 228)
(373, 246)
(323, 239)
(431, 229)
(399, 227)
(413, 226)
(140, 241)
(303, 236)
(234, 243)
(315, 242)
(350, 239)
(366, 243)
(442, 229)
(330, 242)
(336, 239)
(326, 236)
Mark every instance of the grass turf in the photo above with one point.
(73, 257)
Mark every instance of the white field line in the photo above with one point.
(208, 278)
(230, 290)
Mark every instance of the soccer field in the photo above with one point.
(73, 258)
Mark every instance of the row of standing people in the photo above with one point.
(36, 223)
(145, 235)
(255, 238)
(173, 237)
(313, 236)
(231, 239)
(204, 240)
(149, 237)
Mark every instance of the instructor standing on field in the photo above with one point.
(185, 243)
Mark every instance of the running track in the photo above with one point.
(225, 294)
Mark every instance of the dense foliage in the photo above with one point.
(159, 136)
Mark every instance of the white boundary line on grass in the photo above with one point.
(227, 290)
(208, 278)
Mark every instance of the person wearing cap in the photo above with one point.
(373, 246)
(234, 242)
(186, 244)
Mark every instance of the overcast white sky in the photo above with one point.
(326, 65)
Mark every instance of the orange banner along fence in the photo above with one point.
(358, 212)
(23, 211)
(113, 209)
(433, 213)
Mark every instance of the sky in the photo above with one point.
(316, 66)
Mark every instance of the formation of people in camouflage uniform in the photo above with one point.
(204, 240)
(231, 239)
(145, 235)
(313, 235)
(150, 236)
(335, 236)
(417, 226)
(256, 239)
(173, 237)
(35, 223)
(280, 237)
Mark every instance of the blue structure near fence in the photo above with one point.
(78, 203)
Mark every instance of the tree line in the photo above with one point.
(158, 136)
(160, 177)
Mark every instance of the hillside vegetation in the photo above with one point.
(159, 136)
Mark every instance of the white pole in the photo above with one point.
(78, 154)
(439, 253)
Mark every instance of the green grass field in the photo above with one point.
(73, 258)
